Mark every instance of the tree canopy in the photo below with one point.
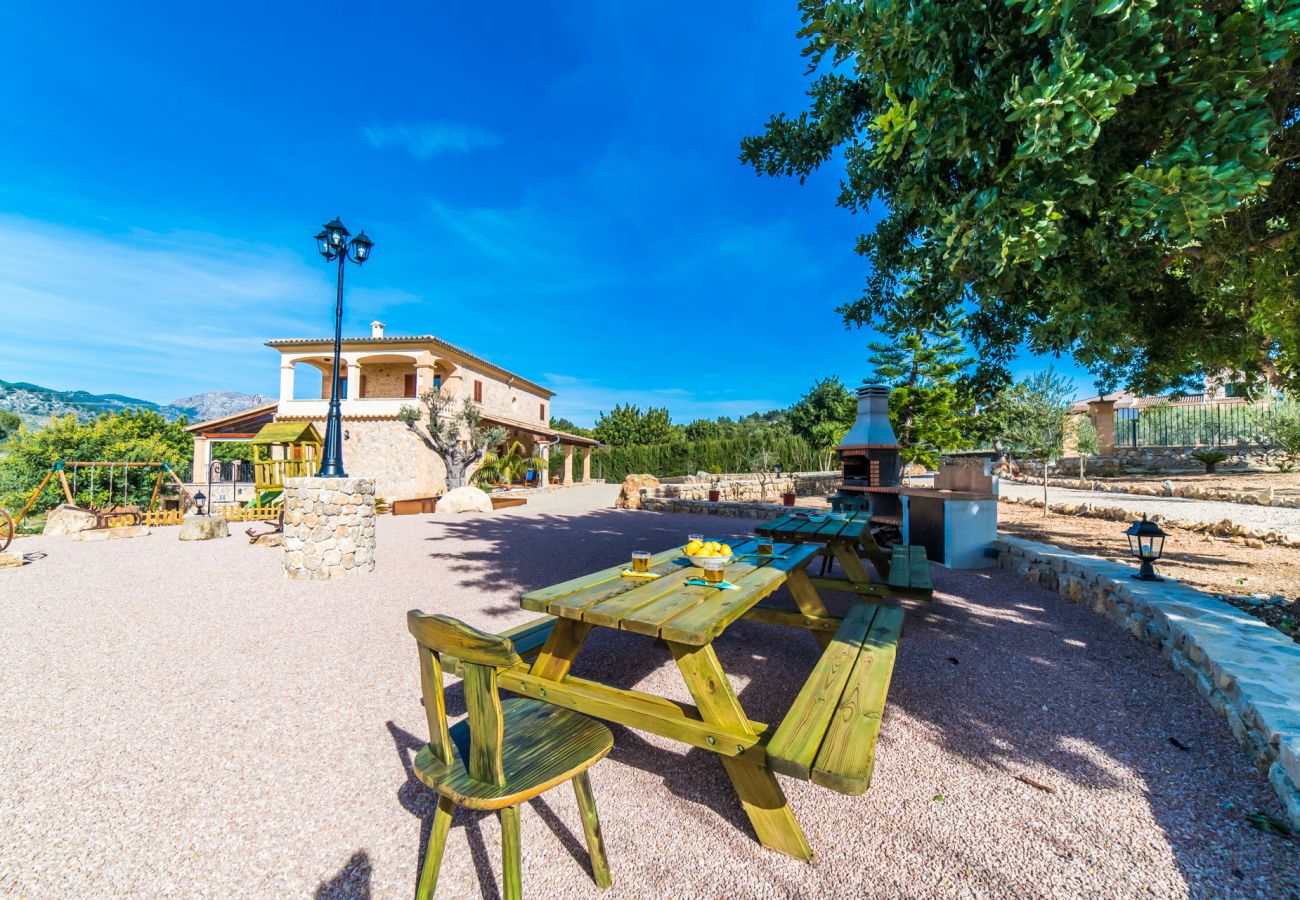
(929, 407)
(825, 414)
(626, 424)
(1114, 180)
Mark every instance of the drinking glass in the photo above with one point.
(640, 561)
(695, 537)
(764, 545)
(713, 568)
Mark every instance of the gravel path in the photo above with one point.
(1272, 518)
(177, 720)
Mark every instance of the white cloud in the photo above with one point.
(152, 315)
(426, 140)
(582, 401)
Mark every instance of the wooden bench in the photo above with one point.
(829, 734)
(909, 568)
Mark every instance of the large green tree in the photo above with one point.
(133, 435)
(1114, 180)
(825, 414)
(929, 407)
(10, 423)
(627, 424)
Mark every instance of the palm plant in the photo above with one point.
(505, 467)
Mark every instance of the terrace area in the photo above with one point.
(181, 719)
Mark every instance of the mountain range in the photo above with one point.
(35, 404)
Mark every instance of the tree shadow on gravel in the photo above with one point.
(352, 882)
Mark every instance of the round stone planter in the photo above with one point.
(329, 527)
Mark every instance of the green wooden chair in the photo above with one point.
(504, 753)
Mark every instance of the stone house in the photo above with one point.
(378, 376)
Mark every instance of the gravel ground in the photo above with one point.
(177, 720)
(1272, 518)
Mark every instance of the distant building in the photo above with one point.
(378, 376)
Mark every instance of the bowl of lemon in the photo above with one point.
(698, 551)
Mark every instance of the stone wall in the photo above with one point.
(747, 488)
(1169, 489)
(511, 400)
(1173, 459)
(329, 527)
(386, 379)
(1247, 671)
(724, 509)
(384, 450)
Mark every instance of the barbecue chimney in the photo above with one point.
(869, 452)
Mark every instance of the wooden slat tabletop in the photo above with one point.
(667, 607)
(799, 528)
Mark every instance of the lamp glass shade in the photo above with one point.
(337, 234)
(361, 247)
(323, 244)
(1146, 541)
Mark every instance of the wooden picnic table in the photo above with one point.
(820, 740)
(904, 571)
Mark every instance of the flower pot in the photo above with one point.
(788, 498)
(715, 496)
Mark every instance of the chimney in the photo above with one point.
(872, 428)
(376, 329)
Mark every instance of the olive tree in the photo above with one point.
(455, 434)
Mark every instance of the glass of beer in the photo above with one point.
(695, 537)
(713, 568)
(640, 561)
(764, 545)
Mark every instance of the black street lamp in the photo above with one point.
(333, 243)
(1146, 542)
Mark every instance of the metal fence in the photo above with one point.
(1197, 424)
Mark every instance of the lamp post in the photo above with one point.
(1146, 541)
(333, 243)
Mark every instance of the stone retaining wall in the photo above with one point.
(747, 488)
(1247, 671)
(329, 527)
(1170, 489)
(723, 509)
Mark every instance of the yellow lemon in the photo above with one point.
(725, 550)
(693, 548)
(706, 552)
(714, 545)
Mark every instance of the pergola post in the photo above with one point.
(586, 465)
(202, 459)
(568, 465)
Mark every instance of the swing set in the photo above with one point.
(126, 510)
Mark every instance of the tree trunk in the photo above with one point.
(1045, 461)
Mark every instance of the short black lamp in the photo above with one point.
(199, 499)
(777, 468)
(1146, 542)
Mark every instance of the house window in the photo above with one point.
(541, 411)
(478, 391)
(363, 386)
(437, 381)
(408, 385)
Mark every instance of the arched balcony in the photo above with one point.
(371, 384)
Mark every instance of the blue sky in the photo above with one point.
(554, 186)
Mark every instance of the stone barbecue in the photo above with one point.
(329, 527)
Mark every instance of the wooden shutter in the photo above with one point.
(478, 391)
(408, 388)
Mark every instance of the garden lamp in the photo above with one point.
(1146, 542)
(199, 499)
(332, 242)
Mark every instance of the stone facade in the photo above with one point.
(393, 456)
(1172, 459)
(329, 527)
(1170, 489)
(1247, 671)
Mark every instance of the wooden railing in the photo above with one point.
(252, 513)
(162, 517)
(271, 473)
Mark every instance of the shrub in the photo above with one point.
(1210, 458)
